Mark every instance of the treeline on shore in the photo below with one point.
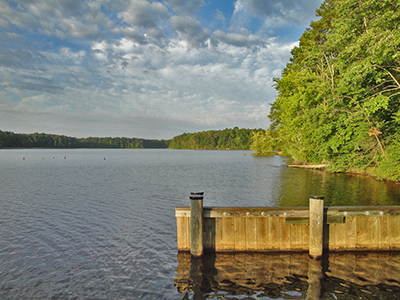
(338, 98)
(232, 139)
(42, 140)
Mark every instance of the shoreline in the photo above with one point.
(322, 167)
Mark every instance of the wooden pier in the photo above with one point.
(311, 229)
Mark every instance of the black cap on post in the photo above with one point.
(196, 195)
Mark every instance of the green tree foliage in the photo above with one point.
(10, 139)
(43, 140)
(339, 96)
(263, 143)
(109, 142)
(234, 139)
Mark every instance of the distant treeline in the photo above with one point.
(16, 140)
(233, 139)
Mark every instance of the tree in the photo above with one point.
(234, 139)
(338, 97)
(263, 143)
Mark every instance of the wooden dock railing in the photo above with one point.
(311, 229)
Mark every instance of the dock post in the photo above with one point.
(316, 226)
(196, 224)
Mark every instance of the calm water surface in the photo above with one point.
(100, 225)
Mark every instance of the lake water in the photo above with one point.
(100, 224)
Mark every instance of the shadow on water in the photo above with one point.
(288, 276)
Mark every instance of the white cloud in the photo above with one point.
(137, 68)
(76, 28)
(74, 18)
(124, 45)
(10, 36)
(144, 14)
(190, 30)
(237, 39)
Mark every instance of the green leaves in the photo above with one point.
(339, 96)
(373, 104)
(263, 142)
(215, 139)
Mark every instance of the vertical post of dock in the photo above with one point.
(196, 224)
(316, 226)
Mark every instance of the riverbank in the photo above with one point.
(375, 172)
(323, 167)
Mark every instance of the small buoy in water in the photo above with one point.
(65, 156)
(23, 158)
(244, 154)
(104, 158)
(54, 157)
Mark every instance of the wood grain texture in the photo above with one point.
(316, 227)
(262, 229)
(183, 232)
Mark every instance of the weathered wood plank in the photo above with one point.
(182, 224)
(218, 234)
(255, 212)
(209, 234)
(383, 234)
(394, 233)
(306, 220)
(285, 235)
(306, 237)
(360, 211)
(332, 237)
(225, 237)
(294, 220)
(339, 233)
(297, 212)
(251, 234)
(373, 233)
(275, 236)
(262, 234)
(362, 234)
(351, 229)
(296, 237)
(240, 234)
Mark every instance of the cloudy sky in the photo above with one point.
(143, 68)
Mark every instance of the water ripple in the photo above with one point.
(89, 228)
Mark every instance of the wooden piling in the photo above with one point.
(316, 226)
(196, 224)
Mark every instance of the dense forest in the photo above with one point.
(214, 139)
(339, 96)
(233, 139)
(43, 140)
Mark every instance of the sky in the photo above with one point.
(143, 68)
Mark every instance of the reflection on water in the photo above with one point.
(288, 276)
(338, 189)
